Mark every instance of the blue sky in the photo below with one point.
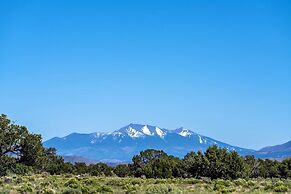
(220, 68)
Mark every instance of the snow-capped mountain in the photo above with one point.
(136, 131)
(121, 145)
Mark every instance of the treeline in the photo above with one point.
(22, 152)
(214, 163)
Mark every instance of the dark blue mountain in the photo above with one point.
(275, 152)
(121, 145)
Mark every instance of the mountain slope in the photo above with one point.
(121, 145)
(74, 159)
(276, 152)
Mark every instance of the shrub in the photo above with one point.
(48, 191)
(72, 191)
(240, 182)
(44, 184)
(223, 186)
(85, 189)
(280, 188)
(122, 170)
(25, 188)
(20, 169)
(162, 189)
(90, 181)
(115, 182)
(160, 181)
(19, 180)
(104, 189)
(32, 178)
(137, 182)
(6, 164)
(192, 181)
(129, 189)
(72, 183)
(251, 183)
(279, 183)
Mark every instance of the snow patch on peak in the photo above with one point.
(97, 134)
(139, 130)
(146, 131)
(133, 133)
(95, 137)
(203, 140)
(200, 139)
(184, 132)
(160, 132)
(116, 133)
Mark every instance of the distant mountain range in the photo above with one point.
(121, 145)
(275, 152)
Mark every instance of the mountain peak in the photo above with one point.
(139, 130)
(184, 132)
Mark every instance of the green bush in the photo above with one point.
(240, 182)
(280, 188)
(6, 164)
(251, 183)
(115, 182)
(104, 189)
(192, 181)
(163, 189)
(21, 169)
(220, 185)
(53, 184)
(130, 189)
(85, 189)
(19, 180)
(25, 188)
(137, 182)
(90, 181)
(72, 183)
(48, 191)
(72, 191)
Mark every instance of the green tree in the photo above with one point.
(139, 161)
(163, 167)
(196, 164)
(18, 146)
(6, 164)
(100, 169)
(271, 169)
(122, 170)
(285, 168)
(11, 137)
(236, 166)
(31, 150)
(215, 156)
(252, 166)
(147, 155)
(52, 163)
(224, 164)
(81, 168)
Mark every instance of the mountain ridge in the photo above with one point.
(279, 152)
(120, 145)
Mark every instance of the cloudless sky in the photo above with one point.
(219, 68)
